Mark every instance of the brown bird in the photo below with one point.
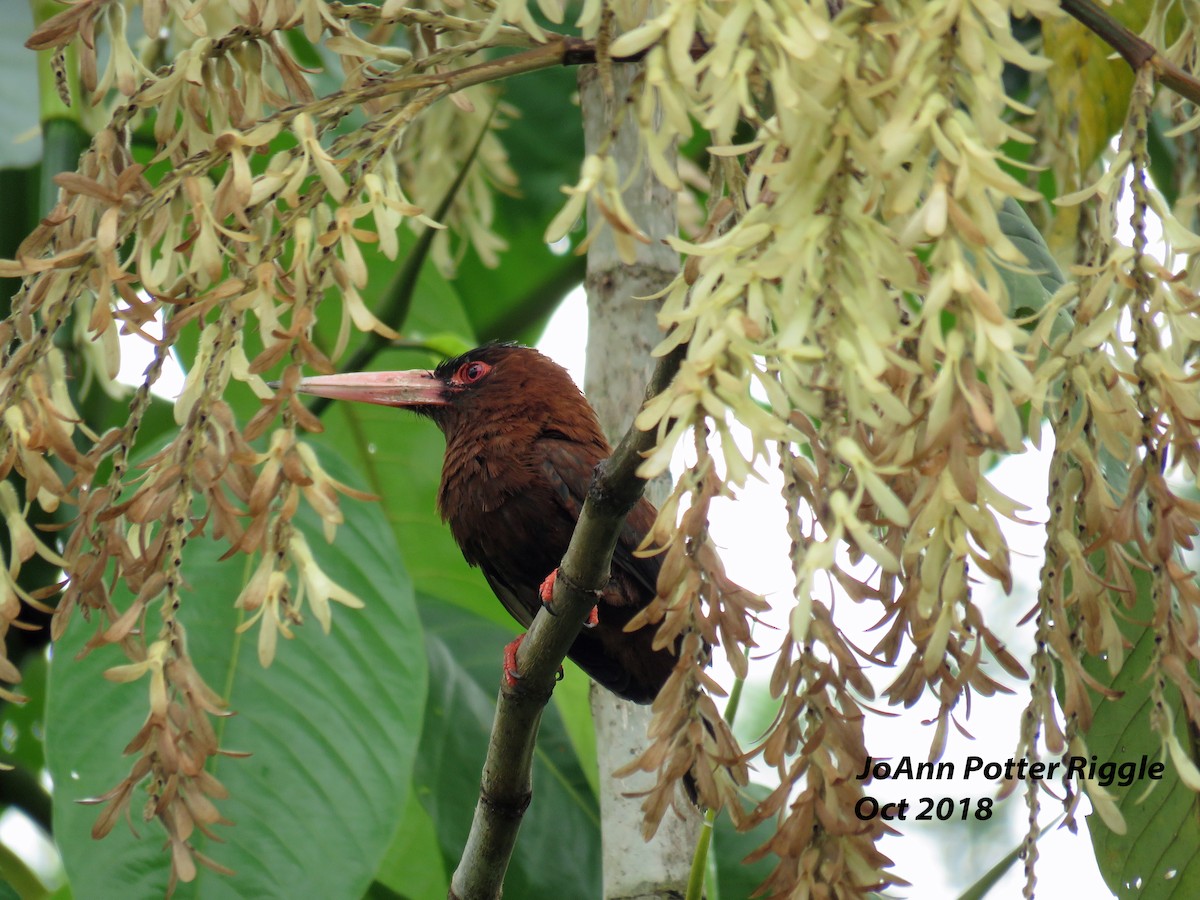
(521, 445)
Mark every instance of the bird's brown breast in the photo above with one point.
(513, 518)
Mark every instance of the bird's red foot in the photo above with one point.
(546, 592)
(511, 675)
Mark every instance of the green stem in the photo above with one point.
(63, 140)
(695, 887)
(735, 699)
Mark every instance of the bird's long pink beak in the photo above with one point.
(412, 388)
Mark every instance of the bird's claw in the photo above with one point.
(546, 592)
(511, 675)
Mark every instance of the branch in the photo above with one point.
(560, 50)
(1133, 49)
(506, 785)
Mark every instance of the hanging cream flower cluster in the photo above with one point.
(213, 241)
(848, 298)
(854, 273)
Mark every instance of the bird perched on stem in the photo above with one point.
(521, 445)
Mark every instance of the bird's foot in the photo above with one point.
(546, 592)
(511, 675)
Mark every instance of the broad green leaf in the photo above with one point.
(1089, 83)
(21, 141)
(1167, 164)
(558, 850)
(730, 848)
(1028, 291)
(412, 866)
(544, 140)
(524, 292)
(24, 724)
(332, 727)
(572, 698)
(1157, 857)
(545, 147)
(19, 187)
(380, 891)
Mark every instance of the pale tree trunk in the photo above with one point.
(621, 332)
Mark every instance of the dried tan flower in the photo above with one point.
(847, 299)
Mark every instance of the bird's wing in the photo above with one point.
(644, 569)
(570, 472)
(625, 663)
(509, 597)
(593, 651)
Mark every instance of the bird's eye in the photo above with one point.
(472, 372)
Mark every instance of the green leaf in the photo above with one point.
(412, 866)
(1156, 857)
(380, 891)
(23, 723)
(1166, 163)
(545, 149)
(572, 699)
(22, 142)
(1089, 84)
(19, 189)
(1029, 289)
(730, 848)
(558, 851)
(332, 727)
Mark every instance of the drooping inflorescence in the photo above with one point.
(855, 294)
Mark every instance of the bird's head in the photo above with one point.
(502, 387)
